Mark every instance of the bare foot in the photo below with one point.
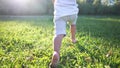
(55, 60)
(74, 41)
(52, 66)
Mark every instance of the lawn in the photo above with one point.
(26, 42)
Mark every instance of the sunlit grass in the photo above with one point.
(28, 43)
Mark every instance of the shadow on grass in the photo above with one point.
(107, 28)
(93, 56)
(98, 27)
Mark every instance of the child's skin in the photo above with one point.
(57, 43)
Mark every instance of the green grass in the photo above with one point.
(27, 43)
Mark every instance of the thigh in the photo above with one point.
(60, 26)
(71, 19)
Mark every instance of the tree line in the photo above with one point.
(45, 7)
(101, 7)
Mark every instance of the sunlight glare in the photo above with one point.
(21, 1)
(26, 6)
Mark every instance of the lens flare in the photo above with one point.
(21, 1)
(21, 7)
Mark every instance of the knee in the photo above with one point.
(73, 25)
(60, 36)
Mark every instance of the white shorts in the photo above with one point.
(60, 23)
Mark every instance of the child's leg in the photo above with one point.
(60, 32)
(73, 32)
(72, 21)
(57, 44)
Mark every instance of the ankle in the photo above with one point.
(74, 40)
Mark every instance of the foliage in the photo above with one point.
(27, 43)
(45, 7)
(96, 7)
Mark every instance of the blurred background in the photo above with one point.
(45, 7)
